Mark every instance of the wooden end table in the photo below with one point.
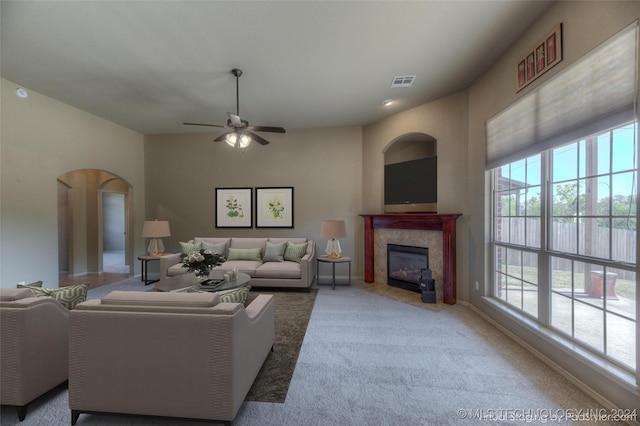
(144, 260)
(326, 259)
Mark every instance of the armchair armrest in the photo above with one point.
(167, 261)
(261, 303)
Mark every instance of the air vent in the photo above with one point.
(403, 80)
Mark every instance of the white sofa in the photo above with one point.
(267, 269)
(184, 355)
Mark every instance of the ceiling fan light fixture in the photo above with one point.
(245, 141)
(238, 140)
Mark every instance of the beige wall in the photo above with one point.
(323, 165)
(585, 25)
(458, 124)
(446, 121)
(41, 139)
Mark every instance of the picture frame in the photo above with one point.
(545, 54)
(234, 208)
(274, 207)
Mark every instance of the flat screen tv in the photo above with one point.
(411, 182)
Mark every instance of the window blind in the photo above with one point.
(597, 92)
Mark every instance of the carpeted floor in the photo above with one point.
(367, 360)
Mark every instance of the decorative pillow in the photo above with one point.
(219, 248)
(68, 296)
(274, 252)
(33, 284)
(236, 295)
(295, 252)
(245, 254)
(189, 247)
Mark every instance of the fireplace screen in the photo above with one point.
(405, 265)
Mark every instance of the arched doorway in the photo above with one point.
(86, 200)
(411, 174)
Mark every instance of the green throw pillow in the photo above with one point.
(245, 254)
(274, 252)
(236, 295)
(295, 252)
(187, 248)
(68, 296)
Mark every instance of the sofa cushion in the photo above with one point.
(278, 270)
(295, 252)
(68, 296)
(219, 248)
(140, 298)
(176, 269)
(274, 252)
(246, 266)
(245, 254)
(187, 248)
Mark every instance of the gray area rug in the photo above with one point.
(370, 360)
(292, 313)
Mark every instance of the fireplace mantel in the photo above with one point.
(420, 221)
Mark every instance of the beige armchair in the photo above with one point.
(183, 355)
(33, 347)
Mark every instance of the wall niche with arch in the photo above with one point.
(83, 219)
(411, 174)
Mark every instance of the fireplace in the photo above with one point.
(405, 265)
(446, 223)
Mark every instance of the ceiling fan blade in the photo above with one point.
(202, 124)
(257, 138)
(221, 137)
(267, 129)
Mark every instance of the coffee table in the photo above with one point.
(184, 282)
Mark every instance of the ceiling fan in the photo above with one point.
(239, 133)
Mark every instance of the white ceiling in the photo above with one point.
(150, 65)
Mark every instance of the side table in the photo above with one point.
(325, 259)
(144, 260)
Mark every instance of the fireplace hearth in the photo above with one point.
(405, 265)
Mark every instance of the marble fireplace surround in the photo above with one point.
(415, 229)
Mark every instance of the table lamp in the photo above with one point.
(333, 229)
(155, 229)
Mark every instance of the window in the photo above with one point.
(564, 253)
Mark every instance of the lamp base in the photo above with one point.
(333, 249)
(156, 248)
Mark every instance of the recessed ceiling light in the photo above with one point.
(21, 92)
(387, 102)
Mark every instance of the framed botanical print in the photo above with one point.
(233, 208)
(274, 207)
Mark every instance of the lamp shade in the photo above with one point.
(333, 229)
(155, 229)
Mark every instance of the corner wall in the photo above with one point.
(446, 120)
(42, 138)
